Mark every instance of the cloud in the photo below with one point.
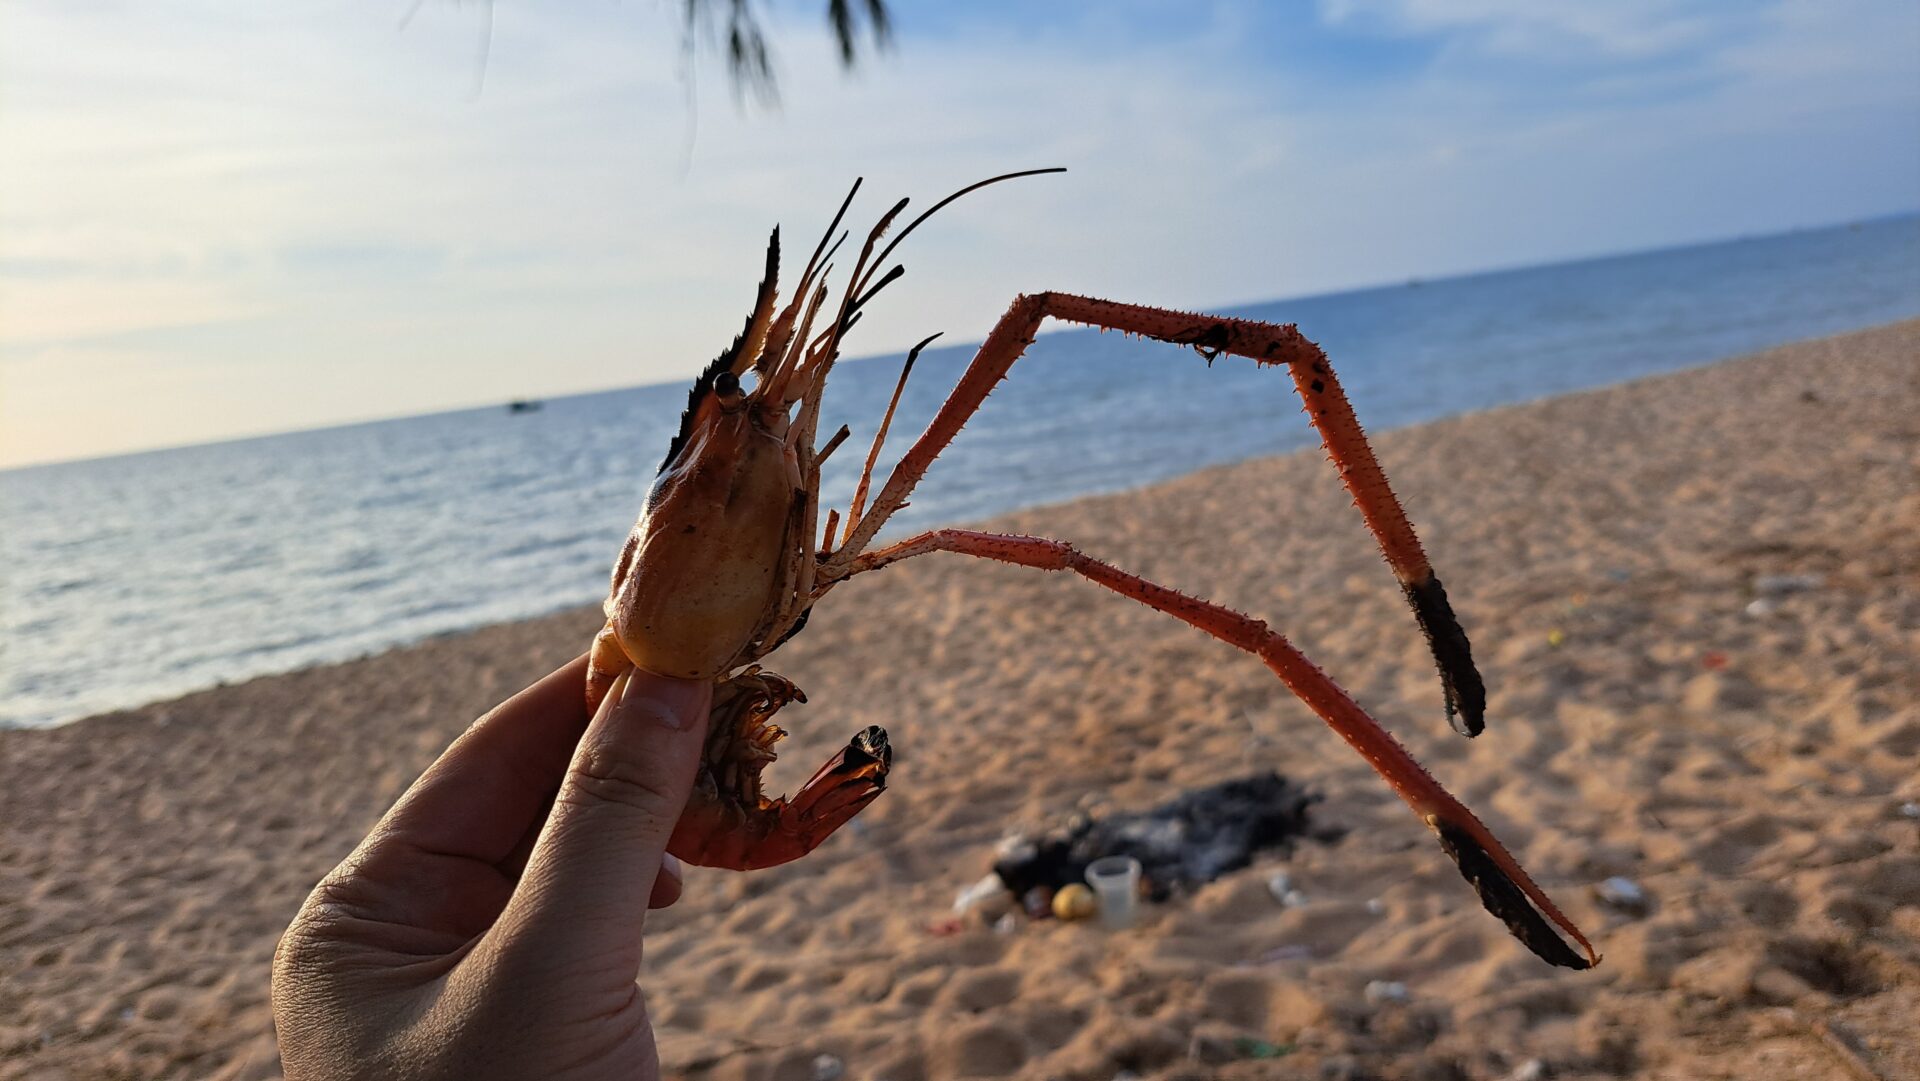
(452, 212)
(1543, 30)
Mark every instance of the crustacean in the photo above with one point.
(729, 556)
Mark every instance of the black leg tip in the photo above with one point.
(1465, 693)
(1505, 899)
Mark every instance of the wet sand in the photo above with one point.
(1696, 600)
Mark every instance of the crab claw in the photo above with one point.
(730, 823)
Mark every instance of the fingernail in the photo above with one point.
(670, 865)
(665, 702)
(613, 696)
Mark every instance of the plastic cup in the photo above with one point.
(1116, 881)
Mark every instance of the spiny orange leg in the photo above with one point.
(1265, 343)
(729, 822)
(1504, 887)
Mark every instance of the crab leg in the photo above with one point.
(1265, 343)
(880, 435)
(1504, 887)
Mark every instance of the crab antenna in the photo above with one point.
(797, 351)
(833, 527)
(856, 281)
(935, 208)
(809, 412)
(892, 276)
(781, 366)
(783, 373)
(809, 419)
(833, 444)
(842, 239)
(787, 358)
(857, 285)
(835, 224)
(880, 436)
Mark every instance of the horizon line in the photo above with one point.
(1226, 307)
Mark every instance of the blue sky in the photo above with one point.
(227, 218)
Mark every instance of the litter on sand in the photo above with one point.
(1181, 845)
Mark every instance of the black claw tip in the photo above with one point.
(1466, 694)
(1505, 899)
(870, 746)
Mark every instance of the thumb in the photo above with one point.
(585, 888)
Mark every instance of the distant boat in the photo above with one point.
(525, 405)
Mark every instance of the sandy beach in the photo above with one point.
(1696, 601)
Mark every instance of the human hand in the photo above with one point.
(489, 925)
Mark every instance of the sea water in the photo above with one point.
(129, 579)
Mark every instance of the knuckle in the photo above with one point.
(331, 903)
(314, 940)
(598, 778)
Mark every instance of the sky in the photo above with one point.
(228, 218)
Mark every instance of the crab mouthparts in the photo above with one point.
(736, 757)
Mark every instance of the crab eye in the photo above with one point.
(726, 384)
